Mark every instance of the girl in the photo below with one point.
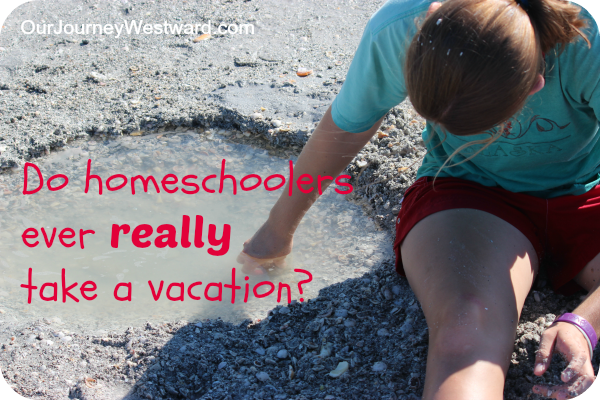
(511, 94)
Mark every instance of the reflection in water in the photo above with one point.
(171, 263)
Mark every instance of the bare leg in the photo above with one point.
(589, 277)
(471, 272)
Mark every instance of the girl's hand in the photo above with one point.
(266, 249)
(579, 374)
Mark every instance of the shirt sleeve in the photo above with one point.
(582, 72)
(375, 81)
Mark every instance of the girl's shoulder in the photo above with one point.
(396, 14)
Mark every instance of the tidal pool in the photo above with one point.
(335, 241)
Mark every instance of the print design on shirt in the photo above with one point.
(503, 148)
(541, 124)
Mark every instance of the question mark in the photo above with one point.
(304, 281)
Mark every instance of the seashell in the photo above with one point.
(339, 62)
(202, 37)
(326, 313)
(134, 68)
(402, 169)
(137, 133)
(329, 54)
(178, 168)
(379, 366)
(304, 72)
(326, 350)
(291, 372)
(340, 370)
(256, 116)
(258, 363)
(90, 382)
(381, 135)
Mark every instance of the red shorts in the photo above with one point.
(565, 230)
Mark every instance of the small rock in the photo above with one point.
(341, 313)
(256, 116)
(536, 296)
(284, 310)
(282, 354)
(383, 332)
(262, 376)
(349, 323)
(379, 366)
(260, 351)
(361, 163)
(66, 339)
(222, 365)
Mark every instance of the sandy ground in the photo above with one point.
(56, 88)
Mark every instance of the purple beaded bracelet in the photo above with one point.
(584, 326)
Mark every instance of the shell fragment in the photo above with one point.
(340, 370)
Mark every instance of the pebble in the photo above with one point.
(379, 366)
(536, 296)
(282, 354)
(262, 376)
(260, 351)
(284, 310)
(341, 313)
(361, 163)
(326, 350)
(383, 332)
(349, 323)
(256, 116)
(222, 365)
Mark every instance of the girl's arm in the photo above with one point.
(328, 151)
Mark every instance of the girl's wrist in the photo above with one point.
(583, 326)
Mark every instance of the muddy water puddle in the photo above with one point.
(178, 238)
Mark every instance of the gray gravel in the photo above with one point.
(53, 89)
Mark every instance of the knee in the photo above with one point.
(463, 325)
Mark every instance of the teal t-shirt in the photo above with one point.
(550, 148)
